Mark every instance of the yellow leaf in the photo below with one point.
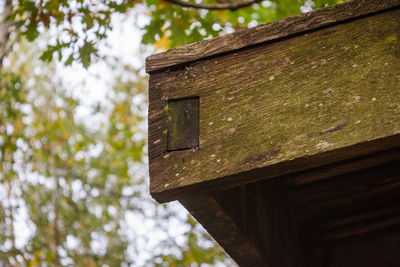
(221, 14)
(163, 43)
(69, 162)
(17, 125)
(163, 4)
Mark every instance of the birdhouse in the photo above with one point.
(283, 140)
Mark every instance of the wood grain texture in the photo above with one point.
(262, 215)
(376, 251)
(315, 222)
(183, 123)
(224, 230)
(267, 32)
(283, 107)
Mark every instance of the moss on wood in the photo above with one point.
(290, 99)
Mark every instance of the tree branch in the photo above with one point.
(220, 6)
(55, 222)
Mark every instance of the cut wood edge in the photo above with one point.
(317, 164)
(302, 23)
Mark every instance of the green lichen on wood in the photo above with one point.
(182, 123)
(331, 89)
(175, 125)
(392, 39)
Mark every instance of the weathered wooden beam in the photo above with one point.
(224, 230)
(284, 140)
(261, 214)
(289, 105)
(267, 32)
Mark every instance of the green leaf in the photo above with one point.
(69, 61)
(31, 32)
(85, 52)
(48, 54)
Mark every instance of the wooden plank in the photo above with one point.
(267, 32)
(284, 107)
(381, 249)
(348, 201)
(363, 218)
(321, 173)
(261, 214)
(224, 230)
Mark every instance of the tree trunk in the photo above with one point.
(4, 30)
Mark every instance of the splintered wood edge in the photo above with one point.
(267, 32)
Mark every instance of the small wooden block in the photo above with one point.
(183, 123)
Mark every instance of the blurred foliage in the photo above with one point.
(81, 24)
(76, 187)
(74, 193)
(180, 25)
